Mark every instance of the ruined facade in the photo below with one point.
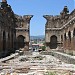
(60, 31)
(7, 29)
(23, 31)
(14, 30)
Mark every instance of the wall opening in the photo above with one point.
(53, 42)
(8, 41)
(12, 40)
(20, 41)
(65, 37)
(61, 38)
(69, 35)
(4, 41)
(74, 32)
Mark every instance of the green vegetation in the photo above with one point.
(50, 73)
(43, 48)
(35, 41)
(70, 54)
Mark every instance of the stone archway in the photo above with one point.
(69, 35)
(74, 32)
(4, 41)
(65, 37)
(53, 42)
(20, 41)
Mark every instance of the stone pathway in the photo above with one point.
(36, 64)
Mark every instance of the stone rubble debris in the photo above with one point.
(36, 64)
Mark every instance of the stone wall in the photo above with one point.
(23, 29)
(7, 29)
(62, 56)
(11, 27)
(63, 27)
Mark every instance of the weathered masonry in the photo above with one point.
(60, 31)
(14, 30)
(7, 29)
(23, 31)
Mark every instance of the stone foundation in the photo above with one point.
(62, 56)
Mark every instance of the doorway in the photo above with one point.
(53, 42)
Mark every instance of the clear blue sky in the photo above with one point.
(38, 8)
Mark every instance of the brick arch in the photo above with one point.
(8, 41)
(4, 40)
(65, 36)
(73, 39)
(65, 39)
(19, 34)
(20, 41)
(61, 38)
(69, 35)
(74, 32)
(53, 42)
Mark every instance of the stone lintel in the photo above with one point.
(57, 29)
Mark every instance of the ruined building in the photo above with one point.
(23, 31)
(14, 30)
(60, 31)
(7, 29)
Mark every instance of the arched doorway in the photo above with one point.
(20, 41)
(8, 41)
(65, 37)
(53, 42)
(69, 35)
(4, 41)
(74, 32)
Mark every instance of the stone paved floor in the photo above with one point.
(36, 64)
